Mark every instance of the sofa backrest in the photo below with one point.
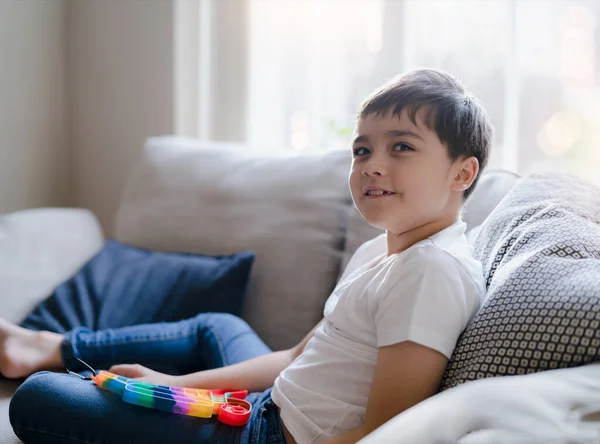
(218, 198)
(294, 212)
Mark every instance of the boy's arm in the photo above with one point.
(254, 375)
(406, 373)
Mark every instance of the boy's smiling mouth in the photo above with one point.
(374, 192)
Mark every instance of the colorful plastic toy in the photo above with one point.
(227, 404)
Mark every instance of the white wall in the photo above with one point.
(121, 83)
(34, 153)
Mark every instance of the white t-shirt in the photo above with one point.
(426, 294)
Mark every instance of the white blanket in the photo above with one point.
(557, 406)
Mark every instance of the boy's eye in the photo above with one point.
(360, 151)
(402, 147)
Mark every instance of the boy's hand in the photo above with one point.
(143, 374)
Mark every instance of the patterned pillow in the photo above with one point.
(540, 250)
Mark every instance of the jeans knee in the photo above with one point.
(29, 393)
(217, 320)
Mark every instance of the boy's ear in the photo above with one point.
(465, 173)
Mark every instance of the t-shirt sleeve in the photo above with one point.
(427, 298)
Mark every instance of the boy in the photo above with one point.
(389, 326)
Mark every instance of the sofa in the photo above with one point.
(296, 214)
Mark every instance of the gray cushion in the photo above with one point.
(39, 249)
(491, 189)
(217, 199)
(540, 249)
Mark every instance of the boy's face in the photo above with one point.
(410, 163)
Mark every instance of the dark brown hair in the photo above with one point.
(457, 117)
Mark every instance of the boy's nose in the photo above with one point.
(374, 167)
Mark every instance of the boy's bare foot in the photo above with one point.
(24, 352)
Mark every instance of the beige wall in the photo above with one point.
(34, 153)
(121, 84)
(82, 85)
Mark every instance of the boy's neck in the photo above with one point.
(398, 242)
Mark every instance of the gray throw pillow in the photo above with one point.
(540, 250)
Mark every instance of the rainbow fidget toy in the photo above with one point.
(227, 404)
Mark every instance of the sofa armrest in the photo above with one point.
(556, 405)
(39, 249)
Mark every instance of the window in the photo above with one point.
(533, 64)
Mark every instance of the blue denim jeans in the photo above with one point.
(60, 408)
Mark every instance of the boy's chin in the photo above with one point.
(383, 220)
(378, 223)
(385, 224)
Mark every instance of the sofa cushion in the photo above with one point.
(123, 285)
(39, 249)
(540, 249)
(219, 198)
(493, 186)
